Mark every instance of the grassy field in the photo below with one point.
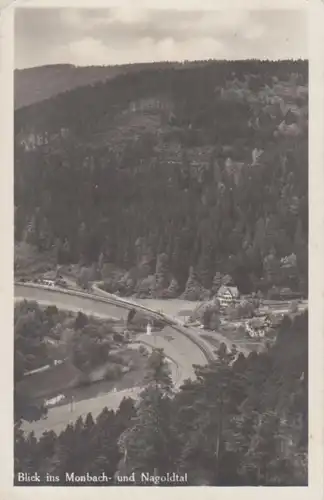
(172, 307)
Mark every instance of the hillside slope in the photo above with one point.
(37, 84)
(174, 175)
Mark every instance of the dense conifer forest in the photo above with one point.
(172, 175)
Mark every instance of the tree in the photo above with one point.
(293, 308)
(214, 322)
(130, 316)
(148, 443)
(173, 289)
(80, 321)
(145, 287)
(158, 371)
(193, 290)
(213, 406)
(101, 261)
(226, 280)
(206, 318)
(211, 316)
(259, 459)
(217, 282)
(271, 267)
(47, 444)
(84, 278)
(152, 424)
(161, 274)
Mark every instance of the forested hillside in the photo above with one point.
(43, 82)
(172, 176)
(242, 422)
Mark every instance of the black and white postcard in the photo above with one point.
(165, 299)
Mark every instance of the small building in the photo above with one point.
(48, 283)
(228, 295)
(49, 278)
(49, 340)
(50, 275)
(54, 401)
(256, 328)
(185, 314)
(274, 320)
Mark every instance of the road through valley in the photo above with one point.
(178, 347)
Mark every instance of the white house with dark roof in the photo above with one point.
(256, 328)
(228, 295)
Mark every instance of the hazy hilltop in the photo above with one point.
(172, 174)
(43, 82)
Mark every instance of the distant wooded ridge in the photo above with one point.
(39, 83)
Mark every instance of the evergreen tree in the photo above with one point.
(161, 275)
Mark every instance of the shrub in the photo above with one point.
(293, 308)
(51, 310)
(118, 337)
(131, 365)
(241, 330)
(84, 380)
(143, 350)
(113, 372)
(80, 321)
(115, 358)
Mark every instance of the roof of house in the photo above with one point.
(233, 290)
(256, 323)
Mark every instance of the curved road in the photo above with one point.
(183, 351)
(177, 347)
